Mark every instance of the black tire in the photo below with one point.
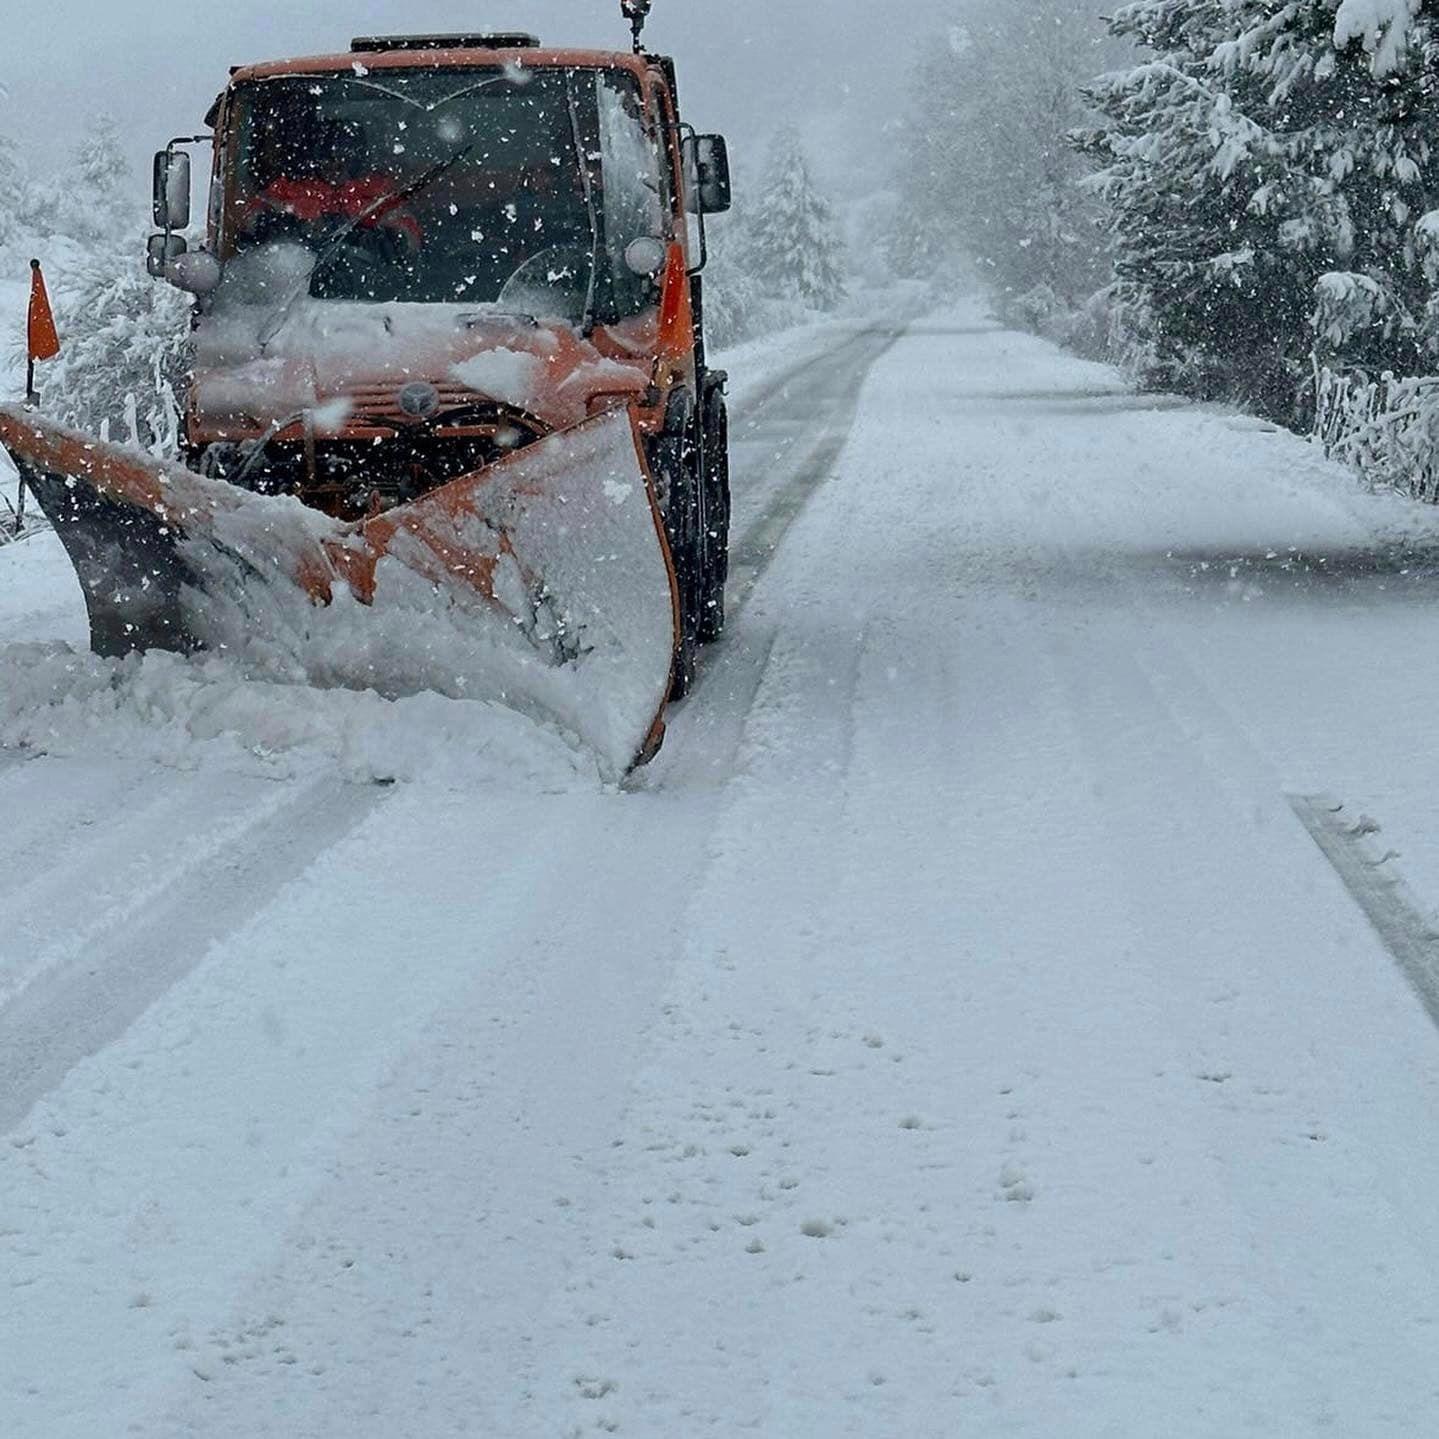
(716, 518)
(670, 459)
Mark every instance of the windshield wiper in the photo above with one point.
(587, 185)
(385, 202)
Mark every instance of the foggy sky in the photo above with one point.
(839, 66)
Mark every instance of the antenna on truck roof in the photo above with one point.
(637, 12)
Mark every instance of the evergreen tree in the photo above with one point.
(14, 187)
(918, 236)
(12, 191)
(739, 305)
(735, 307)
(1270, 174)
(96, 196)
(791, 241)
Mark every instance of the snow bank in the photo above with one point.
(39, 597)
(207, 712)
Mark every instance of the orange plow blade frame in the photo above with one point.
(543, 581)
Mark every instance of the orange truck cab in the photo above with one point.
(431, 251)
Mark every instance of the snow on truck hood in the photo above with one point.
(327, 350)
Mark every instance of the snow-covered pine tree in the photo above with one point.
(738, 305)
(1190, 253)
(96, 196)
(1353, 132)
(13, 190)
(791, 241)
(735, 307)
(917, 236)
(1270, 174)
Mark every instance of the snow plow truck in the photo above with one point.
(450, 424)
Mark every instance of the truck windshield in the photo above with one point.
(456, 186)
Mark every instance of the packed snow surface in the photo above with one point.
(954, 1033)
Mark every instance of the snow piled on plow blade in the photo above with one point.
(542, 582)
(201, 712)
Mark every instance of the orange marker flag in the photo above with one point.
(44, 340)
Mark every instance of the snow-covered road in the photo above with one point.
(955, 1032)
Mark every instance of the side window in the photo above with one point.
(634, 191)
(665, 111)
(634, 187)
(678, 173)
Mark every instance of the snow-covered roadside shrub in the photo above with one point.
(1039, 309)
(1113, 327)
(125, 350)
(1386, 428)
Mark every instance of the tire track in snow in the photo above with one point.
(1212, 728)
(565, 1019)
(751, 402)
(1379, 890)
(788, 451)
(63, 1000)
(1172, 756)
(59, 806)
(818, 418)
(103, 864)
(1394, 912)
(91, 993)
(1218, 927)
(494, 1128)
(12, 759)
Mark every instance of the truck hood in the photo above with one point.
(335, 358)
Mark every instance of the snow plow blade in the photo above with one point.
(543, 581)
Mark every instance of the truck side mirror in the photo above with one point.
(160, 250)
(172, 189)
(197, 272)
(707, 165)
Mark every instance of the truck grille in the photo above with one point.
(459, 405)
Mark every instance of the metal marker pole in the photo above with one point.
(32, 400)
